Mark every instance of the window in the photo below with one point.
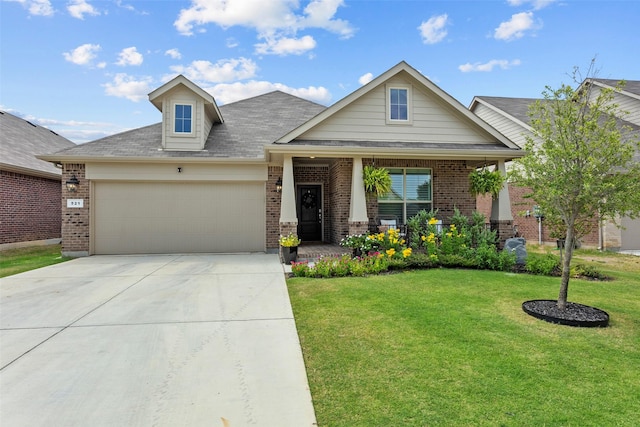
(182, 118)
(398, 104)
(410, 193)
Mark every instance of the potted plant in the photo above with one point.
(376, 180)
(484, 181)
(289, 245)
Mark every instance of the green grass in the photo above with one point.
(14, 261)
(454, 348)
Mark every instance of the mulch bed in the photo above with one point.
(573, 315)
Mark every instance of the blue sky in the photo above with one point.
(84, 68)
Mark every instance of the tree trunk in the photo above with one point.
(566, 267)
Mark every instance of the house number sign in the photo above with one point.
(75, 203)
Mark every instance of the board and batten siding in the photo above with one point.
(506, 126)
(365, 120)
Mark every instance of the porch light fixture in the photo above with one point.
(72, 184)
(279, 185)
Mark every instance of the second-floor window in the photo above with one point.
(183, 118)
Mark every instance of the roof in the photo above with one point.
(249, 125)
(516, 108)
(630, 86)
(21, 141)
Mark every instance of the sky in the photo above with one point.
(85, 68)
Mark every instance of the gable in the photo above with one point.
(435, 117)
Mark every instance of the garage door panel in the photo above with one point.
(178, 217)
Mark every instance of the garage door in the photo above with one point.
(630, 234)
(137, 217)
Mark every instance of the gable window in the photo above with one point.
(399, 104)
(183, 118)
(410, 193)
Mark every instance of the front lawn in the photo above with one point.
(454, 348)
(14, 261)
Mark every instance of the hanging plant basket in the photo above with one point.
(484, 181)
(376, 180)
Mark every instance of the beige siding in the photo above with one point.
(144, 217)
(365, 120)
(625, 104)
(169, 172)
(194, 141)
(512, 130)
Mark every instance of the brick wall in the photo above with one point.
(75, 221)
(340, 197)
(30, 208)
(273, 207)
(528, 226)
(450, 185)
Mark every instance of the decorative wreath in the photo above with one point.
(308, 201)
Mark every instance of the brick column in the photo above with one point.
(75, 220)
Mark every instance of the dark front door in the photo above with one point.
(309, 204)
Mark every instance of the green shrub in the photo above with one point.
(457, 261)
(544, 265)
(588, 271)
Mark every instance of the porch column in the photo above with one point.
(358, 219)
(501, 218)
(288, 215)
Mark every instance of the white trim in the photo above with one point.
(173, 118)
(409, 89)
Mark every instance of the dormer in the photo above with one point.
(188, 113)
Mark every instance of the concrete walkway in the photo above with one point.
(159, 340)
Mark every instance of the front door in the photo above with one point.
(309, 205)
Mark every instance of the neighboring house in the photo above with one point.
(30, 188)
(234, 178)
(510, 117)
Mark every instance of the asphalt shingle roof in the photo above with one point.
(248, 126)
(631, 86)
(21, 141)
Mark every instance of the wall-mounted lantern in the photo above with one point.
(72, 184)
(279, 185)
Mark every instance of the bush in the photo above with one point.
(588, 271)
(544, 265)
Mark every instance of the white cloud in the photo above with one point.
(37, 7)
(276, 21)
(126, 86)
(79, 8)
(537, 4)
(82, 55)
(365, 78)
(173, 53)
(515, 28)
(231, 43)
(230, 92)
(489, 66)
(286, 46)
(225, 70)
(129, 56)
(433, 30)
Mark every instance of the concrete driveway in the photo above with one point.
(158, 340)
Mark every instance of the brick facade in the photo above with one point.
(450, 190)
(30, 208)
(75, 221)
(273, 207)
(528, 226)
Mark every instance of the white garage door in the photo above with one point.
(138, 218)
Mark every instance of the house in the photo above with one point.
(510, 117)
(30, 188)
(233, 178)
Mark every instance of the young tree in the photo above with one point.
(579, 163)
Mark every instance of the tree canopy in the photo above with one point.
(580, 162)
